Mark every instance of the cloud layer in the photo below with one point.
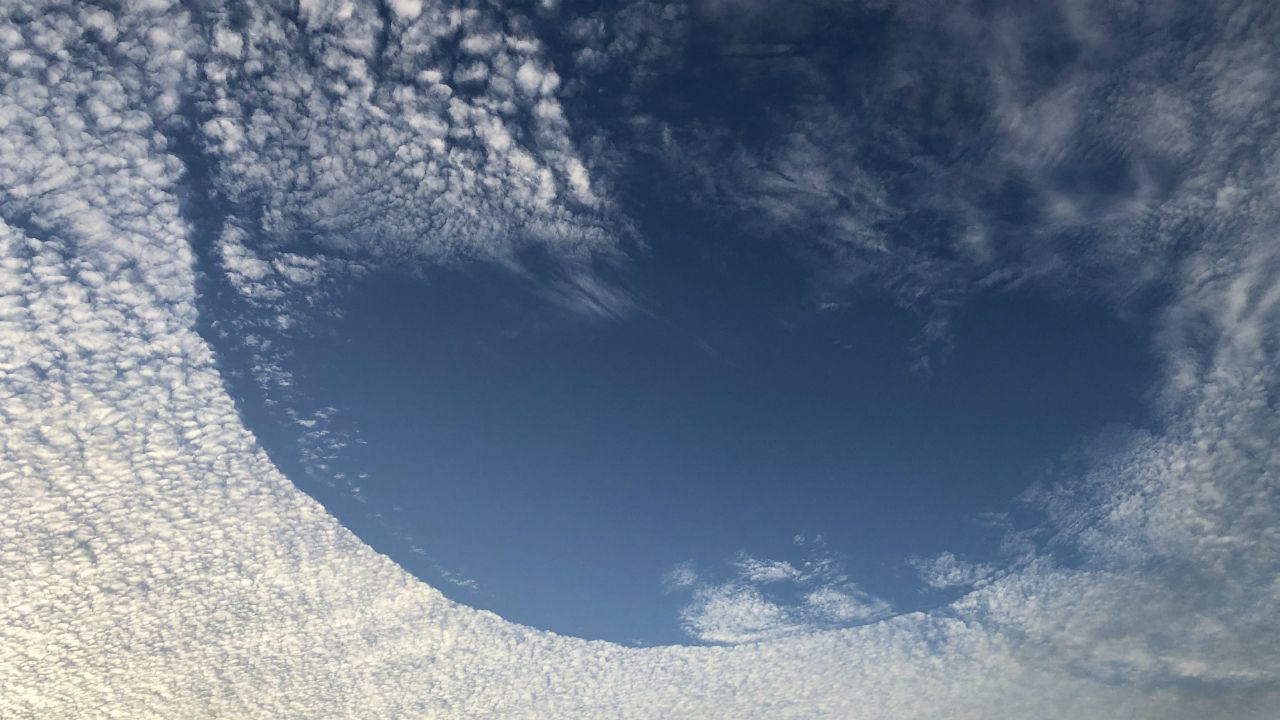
(153, 562)
(427, 132)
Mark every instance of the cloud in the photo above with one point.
(637, 40)
(681, 575)
(766, 599)
(1078, 160)
(585, 292)
(434, 138)
(340, 140)
(153, 561)
(736, 614)
(945, 571)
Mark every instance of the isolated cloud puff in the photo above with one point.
(153, 562)
(765, 599)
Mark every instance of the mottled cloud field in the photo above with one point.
(153, 562)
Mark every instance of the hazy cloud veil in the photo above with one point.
(153, 562)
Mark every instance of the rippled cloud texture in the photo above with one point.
(153, 562)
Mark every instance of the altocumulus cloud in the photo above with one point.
(433, 132)
(765, 599)
(153, 562)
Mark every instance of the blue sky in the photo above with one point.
(699, 358)
(564, 464)
(798, 342)
(552, 454)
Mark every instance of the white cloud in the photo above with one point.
(642, 37)
(733, 613)
(945, 570)
(584, 292)
(359, 141)
(534, 81)
(758, 570)
(846, 605)
(767, 599)
(406, 9)
(682, 575)
(153, 562)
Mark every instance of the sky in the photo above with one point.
(565, 466)
(698, 359)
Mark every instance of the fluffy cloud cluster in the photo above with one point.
(427, 133)
(945, 571)
(153, 562)
(767, 599)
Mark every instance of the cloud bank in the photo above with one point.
(153, 562)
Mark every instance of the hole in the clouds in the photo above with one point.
(554, 469)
